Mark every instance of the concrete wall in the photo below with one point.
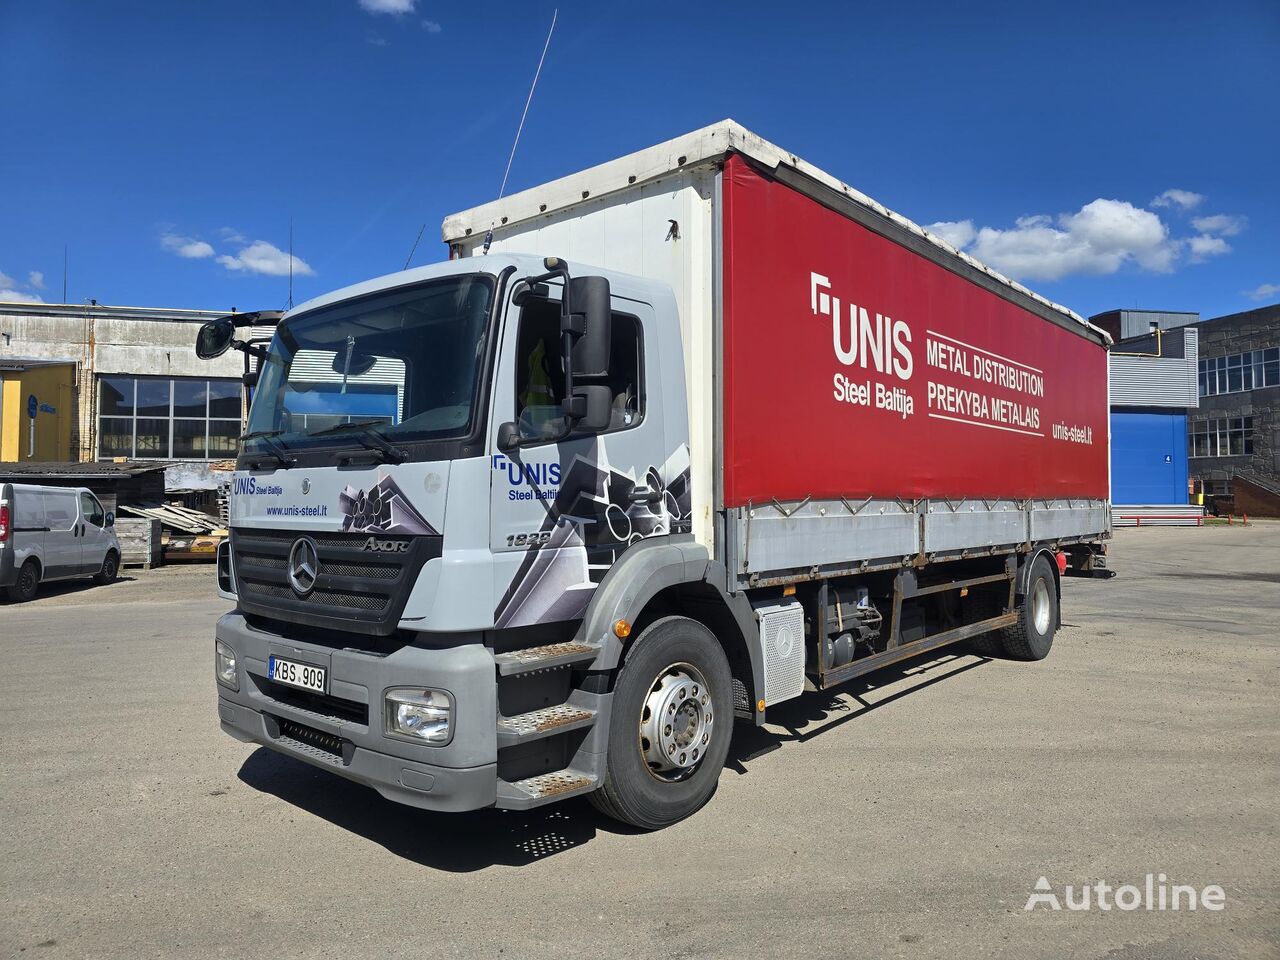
(101, 340)
(1224, 336)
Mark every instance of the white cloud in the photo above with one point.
(958, 233)
(232, 235)
(396, 7)
(1264, 292)
(1204, 246)
(1182, 199)
(1222, 224)
(1098, 238)
(9, 288)
(265, 258)
(431, 26)
(188, 247)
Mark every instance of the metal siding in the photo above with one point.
(1157, 381)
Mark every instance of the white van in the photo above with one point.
(53, 533)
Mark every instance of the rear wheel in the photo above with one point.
(28, 582)
(671, 723)
(110, 568)
(1032, 636)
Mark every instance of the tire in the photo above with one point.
(1032, 636)
(28, 582)
(110, 568)
(676, 665)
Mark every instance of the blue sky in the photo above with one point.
(1108, 154)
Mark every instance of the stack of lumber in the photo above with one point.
(182, 519)
(189, 534)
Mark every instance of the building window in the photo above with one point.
(1223, 437)
(158, 418)
(1251, 370)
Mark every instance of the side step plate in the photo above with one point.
(545, 658)
(535, 791)
(546, 722)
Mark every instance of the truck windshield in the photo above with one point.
(404, 364)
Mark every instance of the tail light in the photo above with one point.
(4, 522)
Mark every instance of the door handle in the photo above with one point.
(649, 495)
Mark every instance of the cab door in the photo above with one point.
(95, 539)
(563, 510)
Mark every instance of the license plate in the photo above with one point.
(301, 675)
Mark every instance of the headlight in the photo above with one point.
(224, 665)
(422, 715)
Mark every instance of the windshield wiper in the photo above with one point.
(370, 437)
(275, 449)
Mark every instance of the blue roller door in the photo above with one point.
(1148, 457)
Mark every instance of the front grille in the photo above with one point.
(336, 598)
(323, 706)
(355, 590)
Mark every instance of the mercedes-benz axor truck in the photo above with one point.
(661, 445)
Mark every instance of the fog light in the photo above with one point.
(422, 715)
(224, 665)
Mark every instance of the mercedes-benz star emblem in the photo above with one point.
(304, 566)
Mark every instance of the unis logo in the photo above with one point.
(374, 545)
(883, 343)
(249, 486)
(537, 474)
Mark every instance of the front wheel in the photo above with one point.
(110, 568)
(671, 724)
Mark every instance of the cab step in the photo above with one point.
(545, 658)
(545, 787)
(546, 722)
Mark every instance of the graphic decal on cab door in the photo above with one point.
(383, 508)
(589, 524)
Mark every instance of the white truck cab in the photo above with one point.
(53, 533)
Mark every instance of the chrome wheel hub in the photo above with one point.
(1040, 607)
(676, 722)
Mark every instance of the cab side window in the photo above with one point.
(92, 509)
(540, 371)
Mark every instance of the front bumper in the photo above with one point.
(343, 733)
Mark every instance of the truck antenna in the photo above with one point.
(488, 237)
(289, 305)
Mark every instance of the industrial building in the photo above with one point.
(1153, 394)
(116, 382)
(1220, 430)
(1235, 434)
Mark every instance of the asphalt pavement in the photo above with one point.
(911, 815)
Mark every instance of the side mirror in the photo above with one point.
(214, 338)
(590, 408)
(508, 436)
(589, 300)
(111, 519)
(249, 379)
